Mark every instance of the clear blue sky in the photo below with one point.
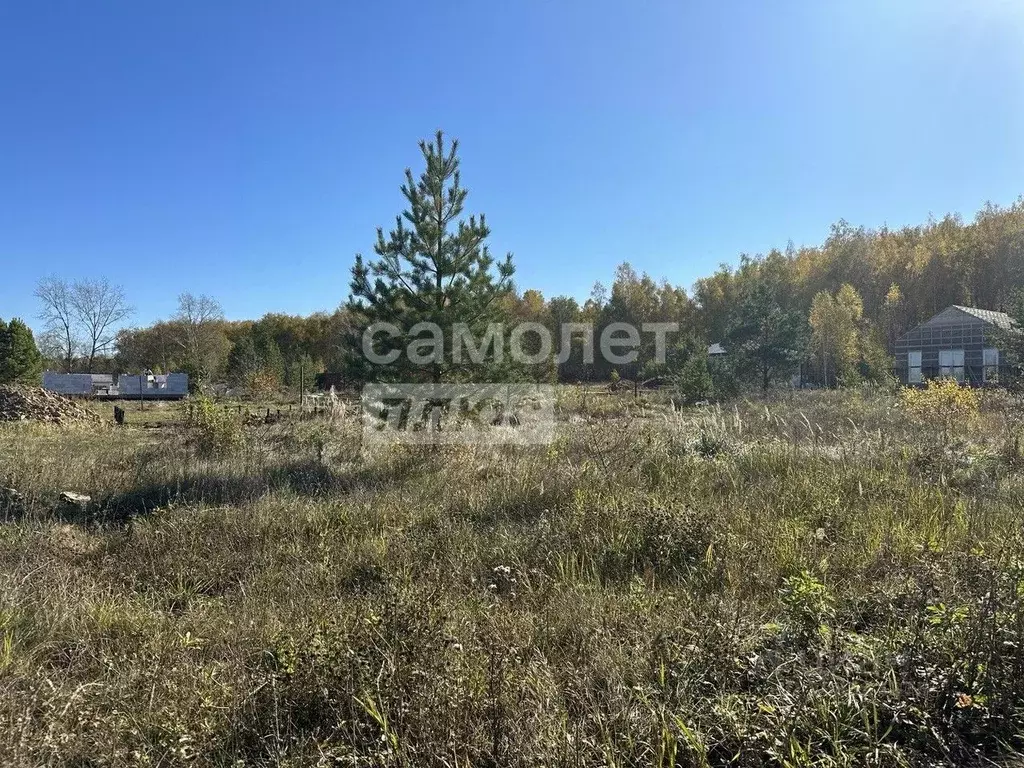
(248, 149)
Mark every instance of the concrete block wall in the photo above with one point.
(177, 383)
(68, 383)
(129, 384)
(126, 384)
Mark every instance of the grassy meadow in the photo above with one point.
(826, 579)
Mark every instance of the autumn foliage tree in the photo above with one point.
(834, 324)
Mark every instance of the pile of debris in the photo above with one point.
(35, 404)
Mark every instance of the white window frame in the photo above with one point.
(914, 367)
(990, 365)
(951, 364)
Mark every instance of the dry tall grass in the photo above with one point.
(816, 581)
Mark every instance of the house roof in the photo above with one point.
(956, 315)
(716, 349)
(999, 319)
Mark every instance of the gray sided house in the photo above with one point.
(959, 343)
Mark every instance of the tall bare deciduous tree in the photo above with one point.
(99, 307)
(52, 348)
(200, 336)
(83, 316)
(58, 315)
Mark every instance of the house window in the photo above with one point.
(914, 366)
(990, 363)
(951, 364)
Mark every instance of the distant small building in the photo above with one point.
(125, 386)
(716, 349)
(959, 343)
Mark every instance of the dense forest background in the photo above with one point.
(831, 312)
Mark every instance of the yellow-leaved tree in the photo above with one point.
(835, 331)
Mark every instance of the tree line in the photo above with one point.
(830, 313)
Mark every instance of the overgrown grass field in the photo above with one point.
(830, 579)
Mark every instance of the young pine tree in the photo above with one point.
(766, 335)
(5, 350)
(20, 360)
(432, 268)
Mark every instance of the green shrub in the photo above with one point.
(216, 431)
(694, 384)
(944, 405)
